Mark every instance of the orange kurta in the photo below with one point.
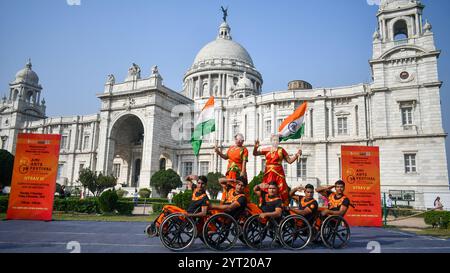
(274, 171)
(236, 158)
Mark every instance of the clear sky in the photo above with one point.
(74, 47)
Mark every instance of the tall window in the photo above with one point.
(81, 167)
(410, 163)
(4, 138)
(235, 130)
(63, 142)
(342, 126)
(187, 168)
(407, 115)
(279, 121)
(116, 170)
(204, 167)
(263, 165)
(162, 164)
(60, 170)
(86, 142)
(301, 168)
(311, 123)
(285, 168)
(268, 128)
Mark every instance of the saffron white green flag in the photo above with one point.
(204, 125)
(293, 127)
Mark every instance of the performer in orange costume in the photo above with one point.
(237, 156)
(274, 169)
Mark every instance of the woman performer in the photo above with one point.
(274, 168)
(237, 156)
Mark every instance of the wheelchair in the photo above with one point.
(296, 232)
(221, 231)
(175, 230)
(334, 231)
(291, 231)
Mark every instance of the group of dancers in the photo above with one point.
(273, 194)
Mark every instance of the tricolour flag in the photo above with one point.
(204, 125)
(293, 127)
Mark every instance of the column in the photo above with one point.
(418, 32)
(199, 85)
(209, 86)
(420, 23)
(273, 117)
(225, 85)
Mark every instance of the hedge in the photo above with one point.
(87, 205)
(143, 200)
(438, 218)
(157, 207)
(3, 204)
(124, 207)
(108, 201)
(183, 199)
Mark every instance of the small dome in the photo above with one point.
(27, 75)
(244, 83)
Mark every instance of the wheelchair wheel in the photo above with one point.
(151, 230)
(335, 232)
(220, 232)
(254, 232)
(177, 232)
(295, 232)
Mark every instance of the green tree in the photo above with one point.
(213, 184)
(144, 193)
(104, 182)
(255, 181)
(88, 179)
(96, 183)
(164, 181)
(6, 168)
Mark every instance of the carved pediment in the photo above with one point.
(403, 53)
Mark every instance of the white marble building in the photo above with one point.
(135, 133)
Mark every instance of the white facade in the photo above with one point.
(137, 129)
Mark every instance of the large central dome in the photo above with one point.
(223, 48)
(218, 67)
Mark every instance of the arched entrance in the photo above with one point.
(126, 143)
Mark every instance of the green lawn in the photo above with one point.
(437, 232)
(57, 216)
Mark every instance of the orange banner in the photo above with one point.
(34, 177)
(361, 174)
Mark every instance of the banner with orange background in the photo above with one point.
(34, 177)
(361, 174)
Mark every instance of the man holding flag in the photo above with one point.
(291, 128)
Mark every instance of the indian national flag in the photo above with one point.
(204, 125)
(294, 126)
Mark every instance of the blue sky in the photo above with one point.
(74, 48)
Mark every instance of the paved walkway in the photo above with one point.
(143, 210)
(129, 237)
(415, 222)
